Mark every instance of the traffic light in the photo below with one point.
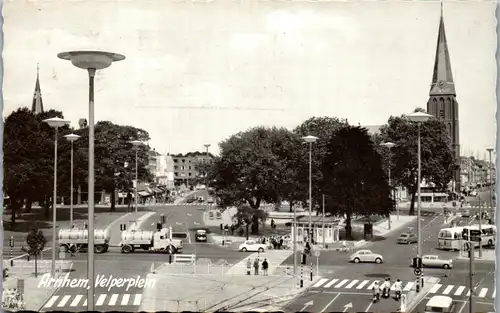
(85, 225)
(162, 219)
(159, 226)
(417, 262)
(123, 226)
(304, 259)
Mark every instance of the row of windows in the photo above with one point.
(182, 167)
(189, 160)
(176, 174)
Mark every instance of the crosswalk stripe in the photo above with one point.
(494, 293)
(100, 300)
(331, 283)
(137, 300)
(320, 282)
(373, 284)
(125, 299)
(408, 286)
(393, 286)
(342, 283)
(112, 300)
(63, 301)
(435, 288)
(483, 292)
(76, 300)
(459, 291)
(354, 282)
(468, 293)
(85, 302)
(51, 302)
(448, 289)
(362, 284)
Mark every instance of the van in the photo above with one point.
(441, 304)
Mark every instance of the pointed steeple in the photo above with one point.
(442, 78)
(37, 105)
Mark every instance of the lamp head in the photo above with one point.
(91, 59)
(56, 122)
(490, 149)
(310, 139)
(136, 143)
(388, 144)
(418, 117)
(72, 137)
(207, 145)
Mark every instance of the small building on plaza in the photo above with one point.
(332, 229)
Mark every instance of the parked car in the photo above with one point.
(190, 199)
(201, 235)
(407, 238)
(200, 199)
(366, 256)
(435, 261)
(252, 245)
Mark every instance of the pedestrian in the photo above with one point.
(376, 292)
(265, 267)
(256, 266)
(249, 266)
(398, 289)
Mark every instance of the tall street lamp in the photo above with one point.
(389, 146)
(136, 144)
(207, 145)
(55, 123)
(71, 138)
(310, 140)
(419, 118)
(490, 150)
(91, 61)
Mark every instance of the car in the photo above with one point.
(190, 199)
(441, 304)
(252, 245)
(366, 256)
(407, 238)
(200, 199)
(201, 235)
(435, 261)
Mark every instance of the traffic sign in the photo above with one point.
(417, 271)
(316, 253)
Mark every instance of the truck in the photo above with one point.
(77, 240)
(156, 241)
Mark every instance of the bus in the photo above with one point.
(450, 238)
(488, 236)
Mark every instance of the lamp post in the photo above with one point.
(310, 140)
(91, 61)
(419, 118)
(71, 138)
(490, 150)
(55, 123)
(390, 145)
(136, 144)
(207, 145)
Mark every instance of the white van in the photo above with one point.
(440, 304)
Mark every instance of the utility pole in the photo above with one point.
(480, 227)
(323, 222)
(471, 274)
(491, 182)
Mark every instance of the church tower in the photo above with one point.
(37, 105)
(442, 96)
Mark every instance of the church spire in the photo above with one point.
(37, 105)
(442, 78)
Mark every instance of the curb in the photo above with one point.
(421, 295)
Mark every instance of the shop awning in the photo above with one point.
(143, 193)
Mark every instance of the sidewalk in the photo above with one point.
(413, 298)
(274, 259)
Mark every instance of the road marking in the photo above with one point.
(483, 292)
(330, 303)
(76, 300)
(369, 306)
(137, 300)
(320, 282)
(188, 236)
(494, 293)
(435, 288)
(125, 299)
(459, 291)
(331, 283)
(85, 302)
(468, 293)
(63, 301)
(100, 300)
(372, 285)
(408, 286)
(393, 287)
(362, 284)
(341, 283)
(448, 289)
(354, 282)
(51, 302)
(113, 299)
(462, 308)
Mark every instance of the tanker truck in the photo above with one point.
(77, 239)
(155, 241)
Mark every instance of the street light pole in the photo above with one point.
(136, 144)
(323, 222)
(91, 61)
(310, 139)
(55, 123)
(389, 145)
(71, 138)
(207, 145)
(490, 150)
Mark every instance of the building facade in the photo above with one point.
(186, 167)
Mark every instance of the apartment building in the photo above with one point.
(186, 167)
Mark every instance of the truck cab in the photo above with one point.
(162, 240)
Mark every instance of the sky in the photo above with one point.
(197, 72)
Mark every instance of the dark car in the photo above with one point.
(407, 238)
(201, 235)
(190, 199)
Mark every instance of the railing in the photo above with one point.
(43, 266)
(184, 258)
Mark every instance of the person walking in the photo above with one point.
(256, 266)
(249, 266)
(398, 289)
(265, 267)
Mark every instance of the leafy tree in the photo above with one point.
(353, 178)
(250, 218)
(36, 242)
(324, 128)
(437, 160)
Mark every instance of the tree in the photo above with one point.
(250, 218)
(36, 242)
(353, 178)
(324, 128)
(437, 159)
